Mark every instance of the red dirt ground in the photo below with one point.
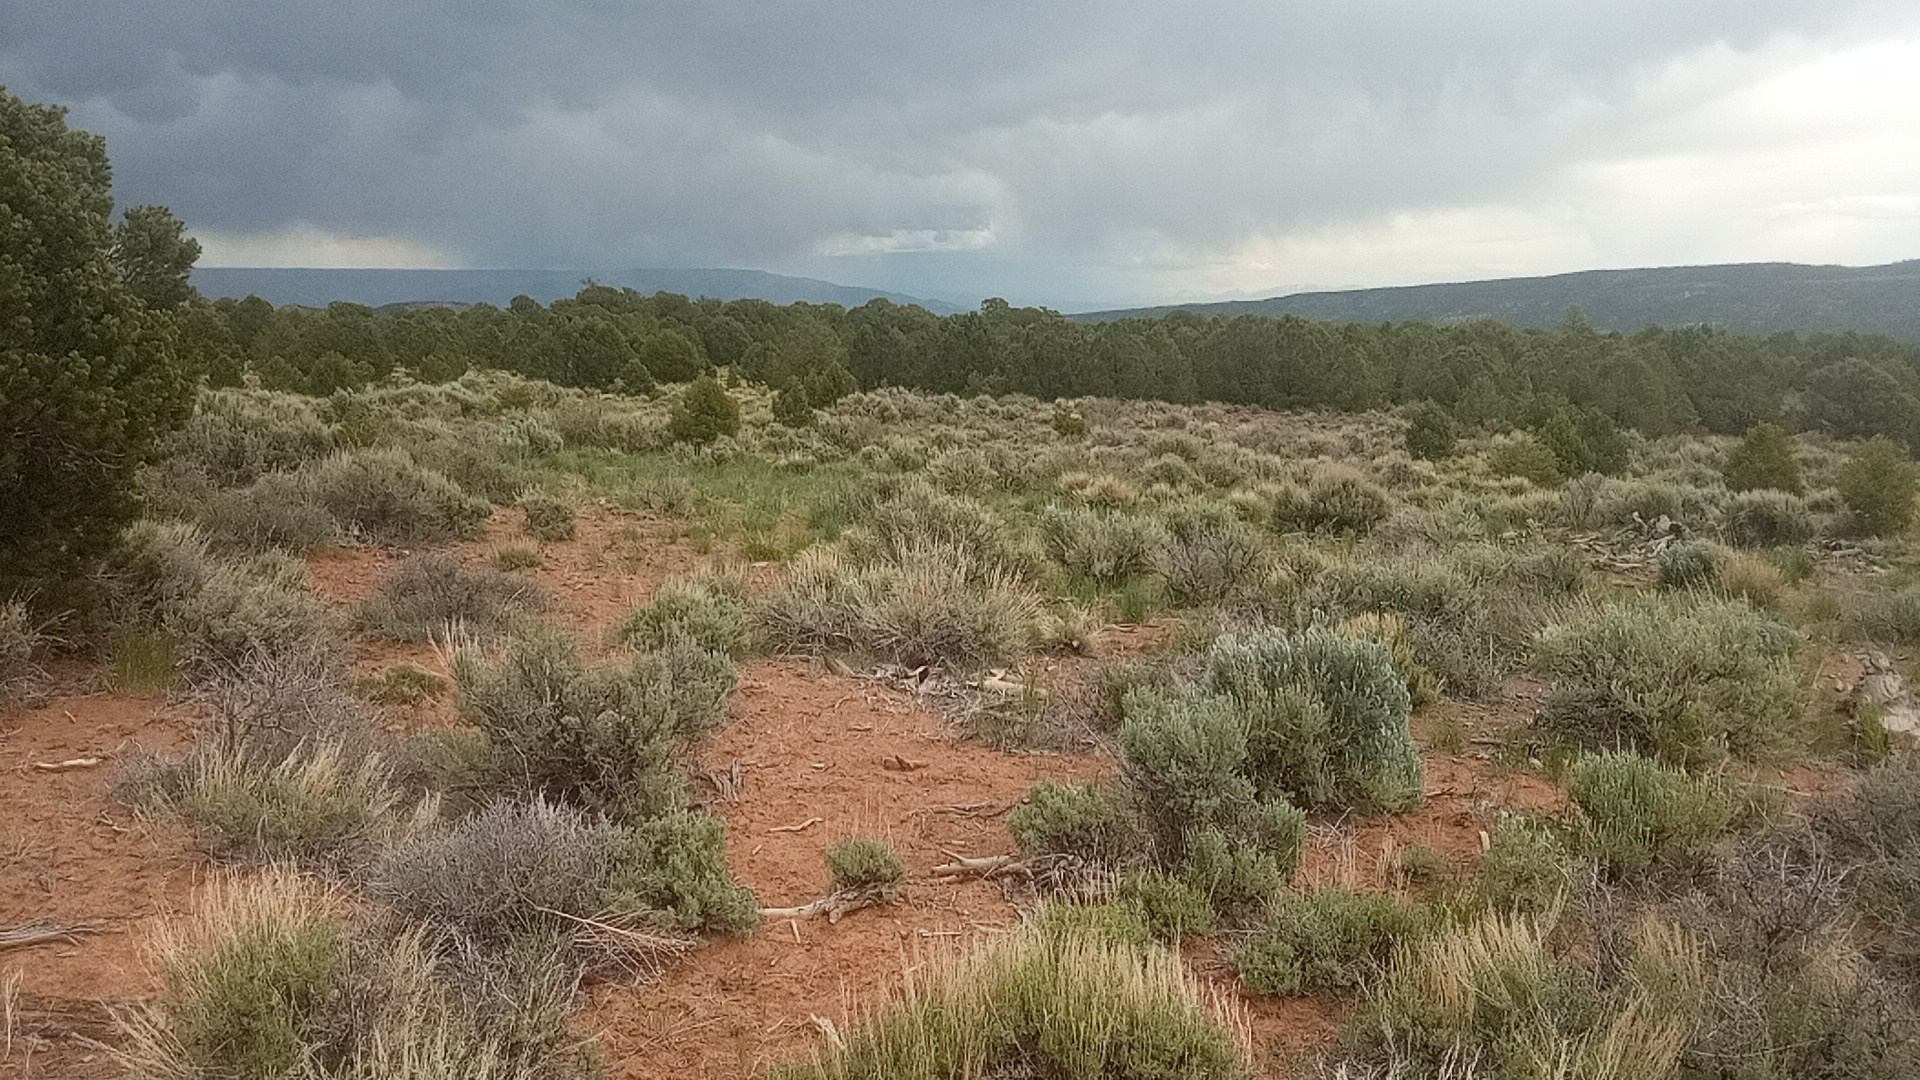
(862, 757)
(818, 746)
(70, 853)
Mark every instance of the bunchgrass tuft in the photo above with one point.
(1070, 1005)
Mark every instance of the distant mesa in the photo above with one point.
(318, 287)
(1753, 298)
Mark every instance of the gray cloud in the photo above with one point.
(1052, 151)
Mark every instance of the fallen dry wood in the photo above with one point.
(837, 904)
(984, 866)
(40, 932)
(70, 763)
(802, 827)
(982, 809)
(901, 763)
(1049, 869)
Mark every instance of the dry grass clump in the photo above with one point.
(428, 593)
(326, 803)
(1689, 682)
(1073, 1006)
(1493, 998)
(1889, 616)
(932, 606)
(216, 610)
(20, 637)
(605, 737)
(266, 979)
(917, 518)
(287, 768)
(928, 578)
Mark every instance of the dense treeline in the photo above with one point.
(1487, 374)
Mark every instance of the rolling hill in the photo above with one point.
(377, 288)
(1747, 297)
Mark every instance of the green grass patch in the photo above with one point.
(774, 511)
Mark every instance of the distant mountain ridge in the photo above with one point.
(318, 287)
(1754, 298)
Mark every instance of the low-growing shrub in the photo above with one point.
(674, 868)
(1636, 814)
(861, 863)
(1762, 460)
(1886, 616)
(1688, 682)
(1103, 546)
(1690, 564)
(1335, 502)
(500, 873)
(1764, 519)
(274, 511)
(1071, 1005)
(381, 495)
(1528, 867)
(433, 593)
(605, 737)
(1325, 940)
(1876, 829)
(1877, 485)
(547, 516)
(1457, 625)
(1075, 818)
(1211, 557)
(710, 611)
(1170, 906)
(235, 436)
(518, 871)
(1241, 865)
(1325, 716)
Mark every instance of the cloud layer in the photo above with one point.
(1057, 152)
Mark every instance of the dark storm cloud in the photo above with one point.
(1065, 139)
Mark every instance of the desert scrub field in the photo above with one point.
(525, 731)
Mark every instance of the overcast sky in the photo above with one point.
(1050, 152)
